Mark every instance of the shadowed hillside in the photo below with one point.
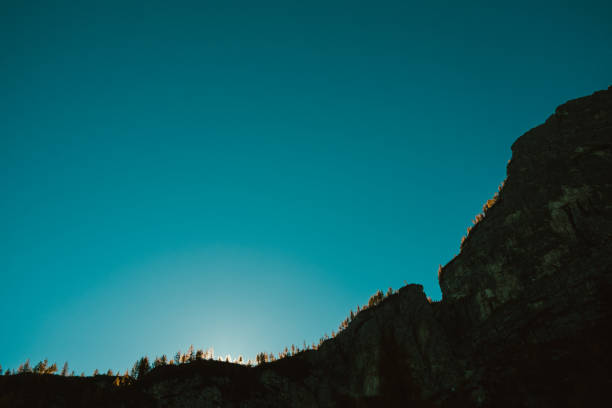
(525, 319)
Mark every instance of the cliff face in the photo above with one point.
(527, 301)
(526, 314)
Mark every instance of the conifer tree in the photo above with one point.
(190, 356)
(25, 367)
(178, 357)
(41, 367)
(157, 362)
(96, 372)
(109, 372)
(52, 369)
(199, 355)
(164, 359)
(141, 367)
(65, 369)
(261, 358)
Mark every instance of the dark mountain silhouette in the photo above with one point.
(525, 319)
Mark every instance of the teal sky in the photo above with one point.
(241, 174)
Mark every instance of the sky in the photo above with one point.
(240, 175)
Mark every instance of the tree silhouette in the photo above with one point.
(376, 298)
(65, 369)
(141, 367)
(41, 367)
(24, 368)
(261, 358)
(157, 362)
(190, 356)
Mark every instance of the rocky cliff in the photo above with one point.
(525, 319)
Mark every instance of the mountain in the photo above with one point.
(525, 319)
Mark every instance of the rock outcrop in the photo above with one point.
(526, 314)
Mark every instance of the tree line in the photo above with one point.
(144, 365)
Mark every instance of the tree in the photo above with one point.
(164, 359)
(24, 368)
(199, 355)
(178, 357)
(142, 367)
(261, 358)
(41, 367)
(96, 372)
(65, 369)
(375, 298)
(157, 362)
(52, 369)
(109, 372)
(190, 356)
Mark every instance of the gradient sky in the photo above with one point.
(241, 174)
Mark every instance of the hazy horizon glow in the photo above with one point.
(240, 176)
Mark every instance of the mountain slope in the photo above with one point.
(525, 318)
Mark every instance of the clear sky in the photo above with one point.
(241, 174)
